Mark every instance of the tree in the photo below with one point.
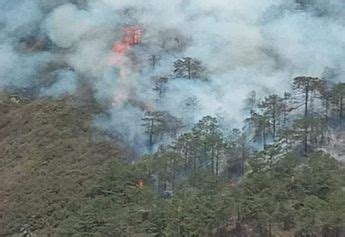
(172, 125)
(261, 196)
(338, 100)
(153, 123)
(186, 146)
(160, 86)
(273, 108)
(251, 102)
(167, 164)
(261, 126)
(237, 152)
(317, 131)
(203, 147)
(286, 108)
(207, 130)
(285, 130)
(160, 123)
(305, 86)
(153, 60)
(189, 68)
(334, 214)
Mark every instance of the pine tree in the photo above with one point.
(154, 60)
(189, 68)
(307, 87)
(160, 86)
(338, 100)
(160, 123)
(273, 108)
(261, 127)
(208, 132)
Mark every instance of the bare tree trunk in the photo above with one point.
(274, 126)
(217, 164)
(264, 137)
(151, 136)
(341, 109)
(243, 157)
(305, 120)
(212, 160)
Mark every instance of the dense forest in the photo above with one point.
(180, 118)
(273, 177)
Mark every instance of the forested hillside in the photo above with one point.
(176, 118)
(273, 177)
(48, 156)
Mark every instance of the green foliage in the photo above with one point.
(337, 97)
(208, 183)
(293, 195)
(160, 123)
(261, 126)
(118, 207)
(274, 108)
(303, 197)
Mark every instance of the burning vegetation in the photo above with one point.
(127, 63)
(131, 37)
(172, 94)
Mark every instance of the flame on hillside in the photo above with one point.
(132, 36)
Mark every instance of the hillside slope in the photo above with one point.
(47, 157)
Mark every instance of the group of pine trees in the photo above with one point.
(308, 112)
(302, 120)
(284, 195)
(269, 178)
(282, 136)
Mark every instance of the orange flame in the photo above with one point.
(140, 183)
(131, 36)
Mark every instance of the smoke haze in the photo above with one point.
(49, 47)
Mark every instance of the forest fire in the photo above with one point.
(127, 63)
(140, 183)
(131, 37)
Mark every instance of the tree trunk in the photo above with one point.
(274, 126)
(217, 165)
(341, 109)
(269, 230)
(305, 120)
(187, 162)
(212, 160)
(264, 137)
(243, 157)
(151, 136)
(173, 175)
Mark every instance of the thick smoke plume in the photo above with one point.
(51, 48)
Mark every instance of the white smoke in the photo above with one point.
(65, 84)
(245, 45)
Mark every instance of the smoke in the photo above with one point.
(65, 84)
(245, 45)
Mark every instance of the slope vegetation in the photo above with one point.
(48, 156)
